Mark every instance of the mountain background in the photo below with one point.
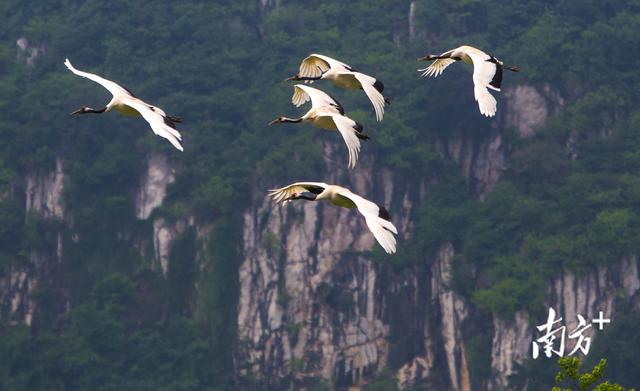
(127, 265)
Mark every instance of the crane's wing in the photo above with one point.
(367, 82)
(486, 102)
(302, 94)
(377, 219)
(438, 66)
(157, 110)
(284, 193)
(316, 64)
(485, 70)
(333, 63)
(113, 88)
(348, 128)
(157, 122)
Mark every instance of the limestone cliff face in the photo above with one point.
(153, 185)
(42, 193)
(149, 196)
(314, 303)
(568, 295)
(311, 303)
(318, 300)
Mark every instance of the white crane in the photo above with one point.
(317, 66)
(128, 104)
(487, 73)
(376, 216)
(327, 113)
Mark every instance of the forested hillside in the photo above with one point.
(99, 308)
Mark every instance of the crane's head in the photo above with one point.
(278, 120)
(81, 110)
(428, 57)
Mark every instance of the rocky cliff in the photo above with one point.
(41, 193)
(317, 301)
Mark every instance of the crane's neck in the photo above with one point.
(291, 120)
(87, 110)
(96, 111)
(298, 77)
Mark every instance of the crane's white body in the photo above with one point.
(326, 113)
(343, 76)
(126, 103)
(375, 216)
(487, 73)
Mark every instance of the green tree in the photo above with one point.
(570, 373)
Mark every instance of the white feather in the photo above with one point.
(343, 76)
(483, 73)
(374, 95)
(382, 229)
(346, 127)
(153, 115)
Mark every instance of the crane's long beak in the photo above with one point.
(425, 58)
(77, 112)
(295, 77)
(275, 121)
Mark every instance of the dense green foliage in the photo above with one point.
(570, 373)
(569, 198)
(114, 341)
(617, 343)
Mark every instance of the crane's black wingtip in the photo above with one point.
(362, 136)
(383, 213)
